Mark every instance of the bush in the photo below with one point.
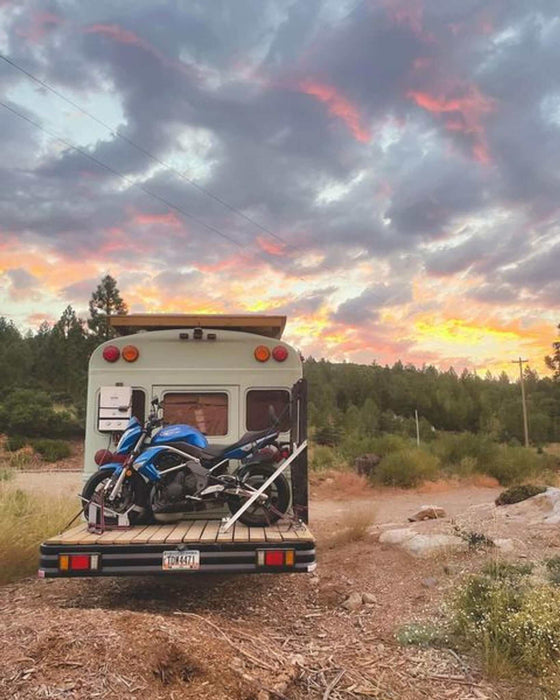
(515, 494)
(25, 521)
(323, 457)
(512, 465)
(407, 468)
(510, 621)
(52, 450)
(553, 566)
(16, 442)
(452, 448)
(30, 412)
(6, 474)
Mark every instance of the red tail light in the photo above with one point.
(78, 562)
(284, 558)
(280, 353)
(111, 353)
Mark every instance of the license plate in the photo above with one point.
(189, 560)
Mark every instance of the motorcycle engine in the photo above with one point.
(172, 491)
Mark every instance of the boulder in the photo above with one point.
(369, 599)
(365, 464)
(426, 545)
(397, 536)
(428, 513)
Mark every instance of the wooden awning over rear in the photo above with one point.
(269, 326)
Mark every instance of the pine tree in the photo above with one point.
(105, 301)
(553, 361)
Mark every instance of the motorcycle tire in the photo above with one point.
(135, 492)
(261, 515)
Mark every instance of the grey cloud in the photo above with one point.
(365, 308)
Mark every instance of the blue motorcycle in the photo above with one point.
(168, 476)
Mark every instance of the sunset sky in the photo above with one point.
(385, 172)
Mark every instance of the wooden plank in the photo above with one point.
(211, 531)
(226, 536)
(141, 534)
(241, 533)
(70, 536)
(270, 326)
(179, 532)
(273, 534)
(195, 532)
(256, 534)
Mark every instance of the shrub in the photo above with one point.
(356, 526)
(503, 570)
(510, 621)
(6, 474)
(515, 494)
(323, 457)
(514, 464)
(420, 634)
(30, 412)
(451, 448)
(16, 442)
(52, 450)
(553, 566)
(407, 468)
(25, 521)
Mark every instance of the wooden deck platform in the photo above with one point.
(191, 531)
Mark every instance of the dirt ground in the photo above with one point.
(251, 637)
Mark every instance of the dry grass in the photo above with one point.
(25, 521)
(356, 527)
(339, 485)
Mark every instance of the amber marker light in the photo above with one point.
(130, 353)
(262, 353)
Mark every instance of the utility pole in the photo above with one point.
(521, 362)
(417, 428)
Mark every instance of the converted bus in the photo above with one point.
(219, 374)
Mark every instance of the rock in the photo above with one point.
(353, 602)
(504, 545)
(425, 545)
(428, 513)
(369, 599)
(397, 536)
(365, 464)
(429, 582)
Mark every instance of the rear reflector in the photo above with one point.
(111, 353)
(276, 557)
(262, 353)
(78, 562)
(280, 353)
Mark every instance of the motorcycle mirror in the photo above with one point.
(155, 402)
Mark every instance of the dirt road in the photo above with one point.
(252, 637)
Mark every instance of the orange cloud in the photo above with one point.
(338, 106)
(270, 246)
(467, 113)
(169, 219)
(41, 23)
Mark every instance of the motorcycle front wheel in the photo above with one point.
(133, 493)
(278, 496)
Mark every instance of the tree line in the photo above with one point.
(344, 398)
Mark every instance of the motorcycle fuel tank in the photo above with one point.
(180, 433)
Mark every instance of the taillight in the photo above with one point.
(276, 557)
(280, 353)
(78, 562)
(130, 353)
(262, 353)
(111, 353)
(285, 452)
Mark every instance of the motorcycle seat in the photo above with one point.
(211, 453)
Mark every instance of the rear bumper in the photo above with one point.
(143, 559)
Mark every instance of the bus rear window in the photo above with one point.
(206, 411)
(258, 402)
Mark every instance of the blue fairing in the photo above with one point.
(180, 433)
(129, 437)
(145, 463)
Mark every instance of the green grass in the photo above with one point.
(25, 521)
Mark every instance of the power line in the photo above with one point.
(123, 177)
(147, 153)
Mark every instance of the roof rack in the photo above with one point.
(269, 326)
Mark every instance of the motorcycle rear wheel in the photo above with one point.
(278, 502)
(134, 492)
